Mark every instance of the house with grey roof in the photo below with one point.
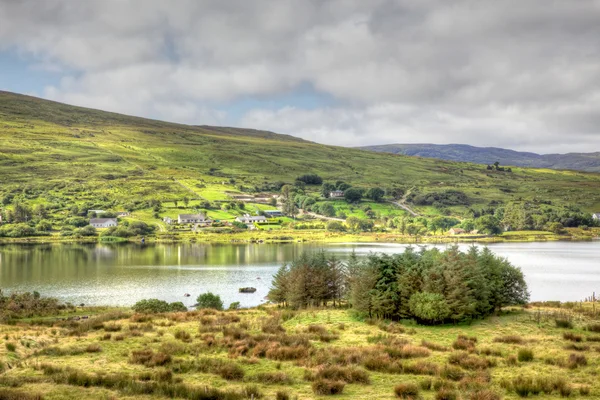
(103, 222)
(193, 219)
(249, 219)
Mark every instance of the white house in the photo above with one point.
(103, 222)
(248, 219)
(596, 216)
(193, 219)
(168, 220)
(336, 193)
(456, 231)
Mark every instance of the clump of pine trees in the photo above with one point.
(429, 285)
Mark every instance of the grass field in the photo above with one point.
(272, 353)
(55, 153)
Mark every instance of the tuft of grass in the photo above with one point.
(407, 390)
(563, 323)
(525, 355)
(512, 339)
(446, 394)
(572, 337)
(93, 348)
(326, 387)
(10, 346)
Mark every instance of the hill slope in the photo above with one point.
(61, 154)
(487, 155)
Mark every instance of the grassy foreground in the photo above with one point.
(270, 353)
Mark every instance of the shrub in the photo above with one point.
(407, 390)
(112, 327)
(209, 300)
(576, 360)
(282, 395)
(584, 390)
(512, 339)
(9, 394)
(148, 358)
(484, 394)
(235, 305)
(231, 372)
(433, 346)
(525, 355)
(184, 336)
(326, 387)
(452, 372)
(429, 307)
(446, 394)
(464, 343)
(572, 337)
(563, 323)
(158, 306)
(273, 378)
(252, 392)
(93, 348)
(344, 374)
(594, 328)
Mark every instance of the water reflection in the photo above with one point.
(123, 274)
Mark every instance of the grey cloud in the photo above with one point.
(507, 73)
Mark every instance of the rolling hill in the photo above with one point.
(62, 155)
(488, 155)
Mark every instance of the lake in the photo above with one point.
(101, 274)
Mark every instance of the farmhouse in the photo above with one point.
(596, 216)
(273, 213)
(247, 219)
(103, 222)
(336, 193)
(193, 219)
(456, 231)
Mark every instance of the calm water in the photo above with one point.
(123, 274)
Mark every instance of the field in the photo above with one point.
(541, 351)
(63, 156)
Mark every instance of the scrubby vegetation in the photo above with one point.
(285, 354)
(60, 164)
(429, 286)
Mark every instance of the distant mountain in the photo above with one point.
(488, 155)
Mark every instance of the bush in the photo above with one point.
(158, 306)
(563, 323)
(512, 339)
(525, 355)
(235, 305)
(429, 307)
(576, 360)
(572, 337)
(231, 372)
(407, 391)
(326, 387)
(282, 395)
(594, 328)
(209, 300)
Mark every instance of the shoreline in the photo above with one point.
(313, 237)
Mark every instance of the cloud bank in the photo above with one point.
(523, 75)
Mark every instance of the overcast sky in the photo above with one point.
(522, 74)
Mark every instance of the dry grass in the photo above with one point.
(280, 354)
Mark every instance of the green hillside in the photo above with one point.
(61, 155)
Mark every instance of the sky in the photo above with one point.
(517, 74)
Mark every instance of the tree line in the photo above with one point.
(427, 285)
